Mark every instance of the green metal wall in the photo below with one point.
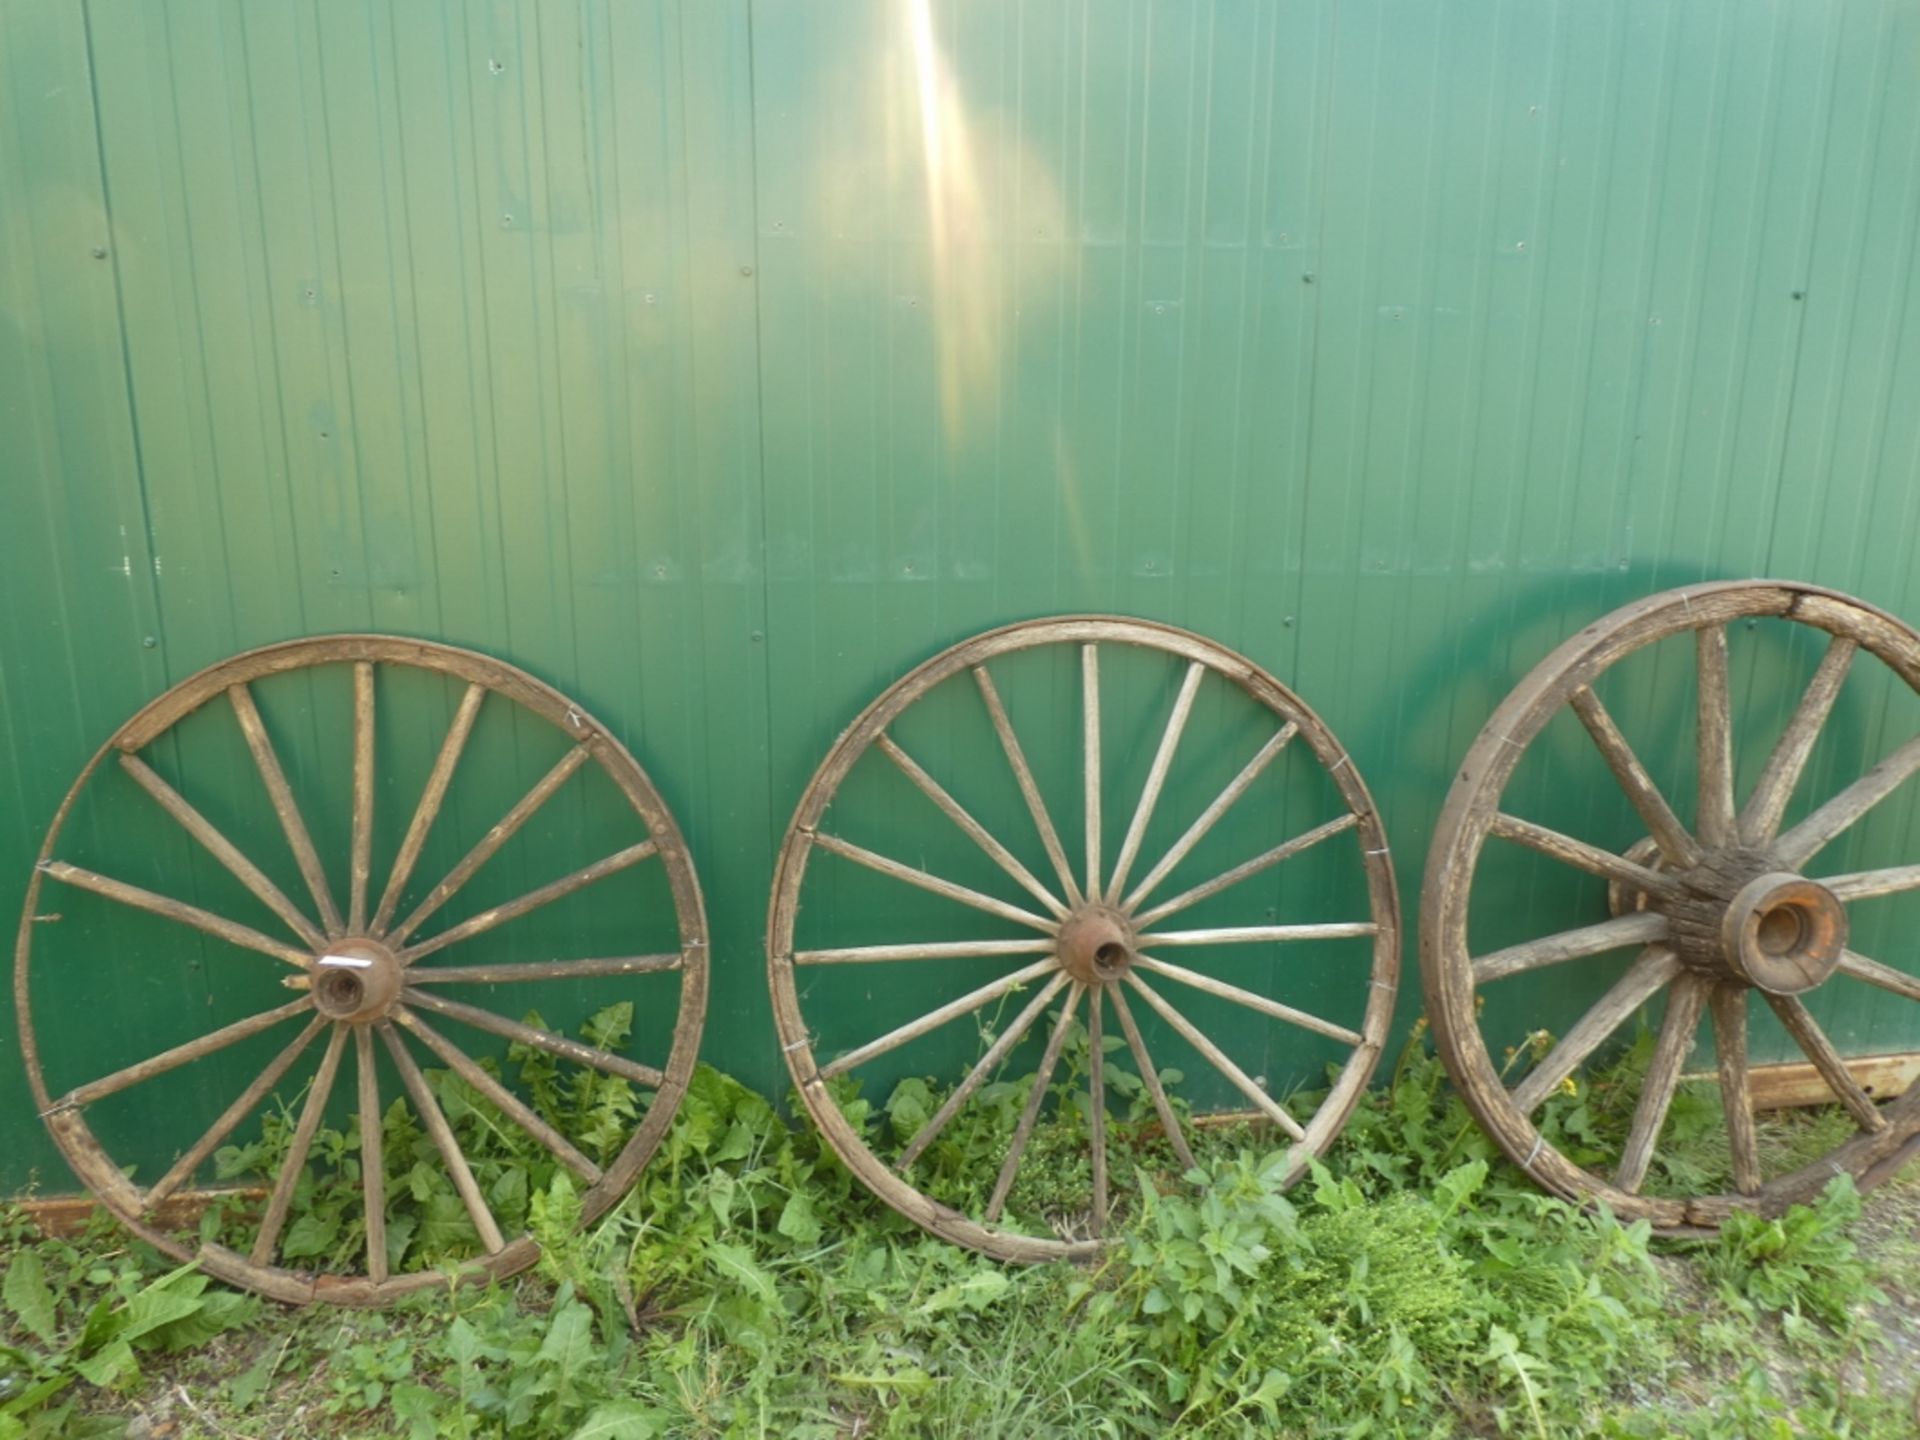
(718, 361)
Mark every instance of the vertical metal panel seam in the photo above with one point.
(148, 580)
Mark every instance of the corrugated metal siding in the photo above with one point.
(659, 350)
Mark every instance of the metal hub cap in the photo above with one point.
(1095, 945)
(1783, 933)
(355, 980)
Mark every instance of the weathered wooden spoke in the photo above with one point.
(1674, 841)
(1210, 817)
(179, 1055)
(1029, 787)
(1247, 870)
(971, 827)
(241, 1109)
(435, 1121)
(967, 1004)
(231, 931)
(1884, 976)
(501, 1098)
(1760, 817)
(1643, 980)
(373, 1176)
(932, 883)
(543, 970)
(1619, 933)
(1099, 938)
(1813, 1043)
(532, 900)
(1714, 738)
(1030, 1112)
(1831, 820)
(1716, 912)
(223, 850)
(267, 761)
(267, 1241)
(977, 1076)
(360, 865)
(491, 842)
(1670, 1053)
(1729, 1004)
(1581, 855)
(603, 1060)
(1218, 1058)
(1150, 1077)
(353, 965)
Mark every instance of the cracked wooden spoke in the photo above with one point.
(935, 950)
(1665, 827)
(267, 1240)
(222, 849)
(1261, 934)
(280, 794)
(1760, 817)
(1251, 1000)
(1814, 1044)
(1285, 851)
(1662, 1079)
(933, 883)
(501, 1098)
(231, 931)
(934, 1019)
(1865, 884)
(1714, 737)
(1150, 1077)
(560, 1045)
(1097, 1113)
(1030, 1112)
(1156, 779)
(986, 1065)
(360, 864)
(532, 900)
(491, 842)
(1210, 817)
(1638, 928)
(1218, 1058)
(373, 1178)
(1029, 787)
(508, 974)
(1090, 757)
(431, 799)
(179, 1055)
(1831, 820)
(428, 1109)
(1583, 856)
(1643, 980)
(1729, 1003)
(971, 827)
(1874, 973)
(231, 1117)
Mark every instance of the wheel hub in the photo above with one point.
(1095, 945)
(1783, 933)
(356, 980)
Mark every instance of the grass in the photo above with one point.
(1414, 1285)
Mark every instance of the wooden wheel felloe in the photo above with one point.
(381, 977)
(1192, 775)
(1749, 915)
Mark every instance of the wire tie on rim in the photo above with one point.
(803, 1041)
(1338, 763)
(1383, 850)
(1539, 1144)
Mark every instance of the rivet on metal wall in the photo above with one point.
(148, 642)
(100, 253)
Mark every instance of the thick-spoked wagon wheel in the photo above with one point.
(292, 762)
(1748, 920)
(1164, 920)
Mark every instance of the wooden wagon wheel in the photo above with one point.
(369, 965)
(1711, 914)
(1098, 928)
